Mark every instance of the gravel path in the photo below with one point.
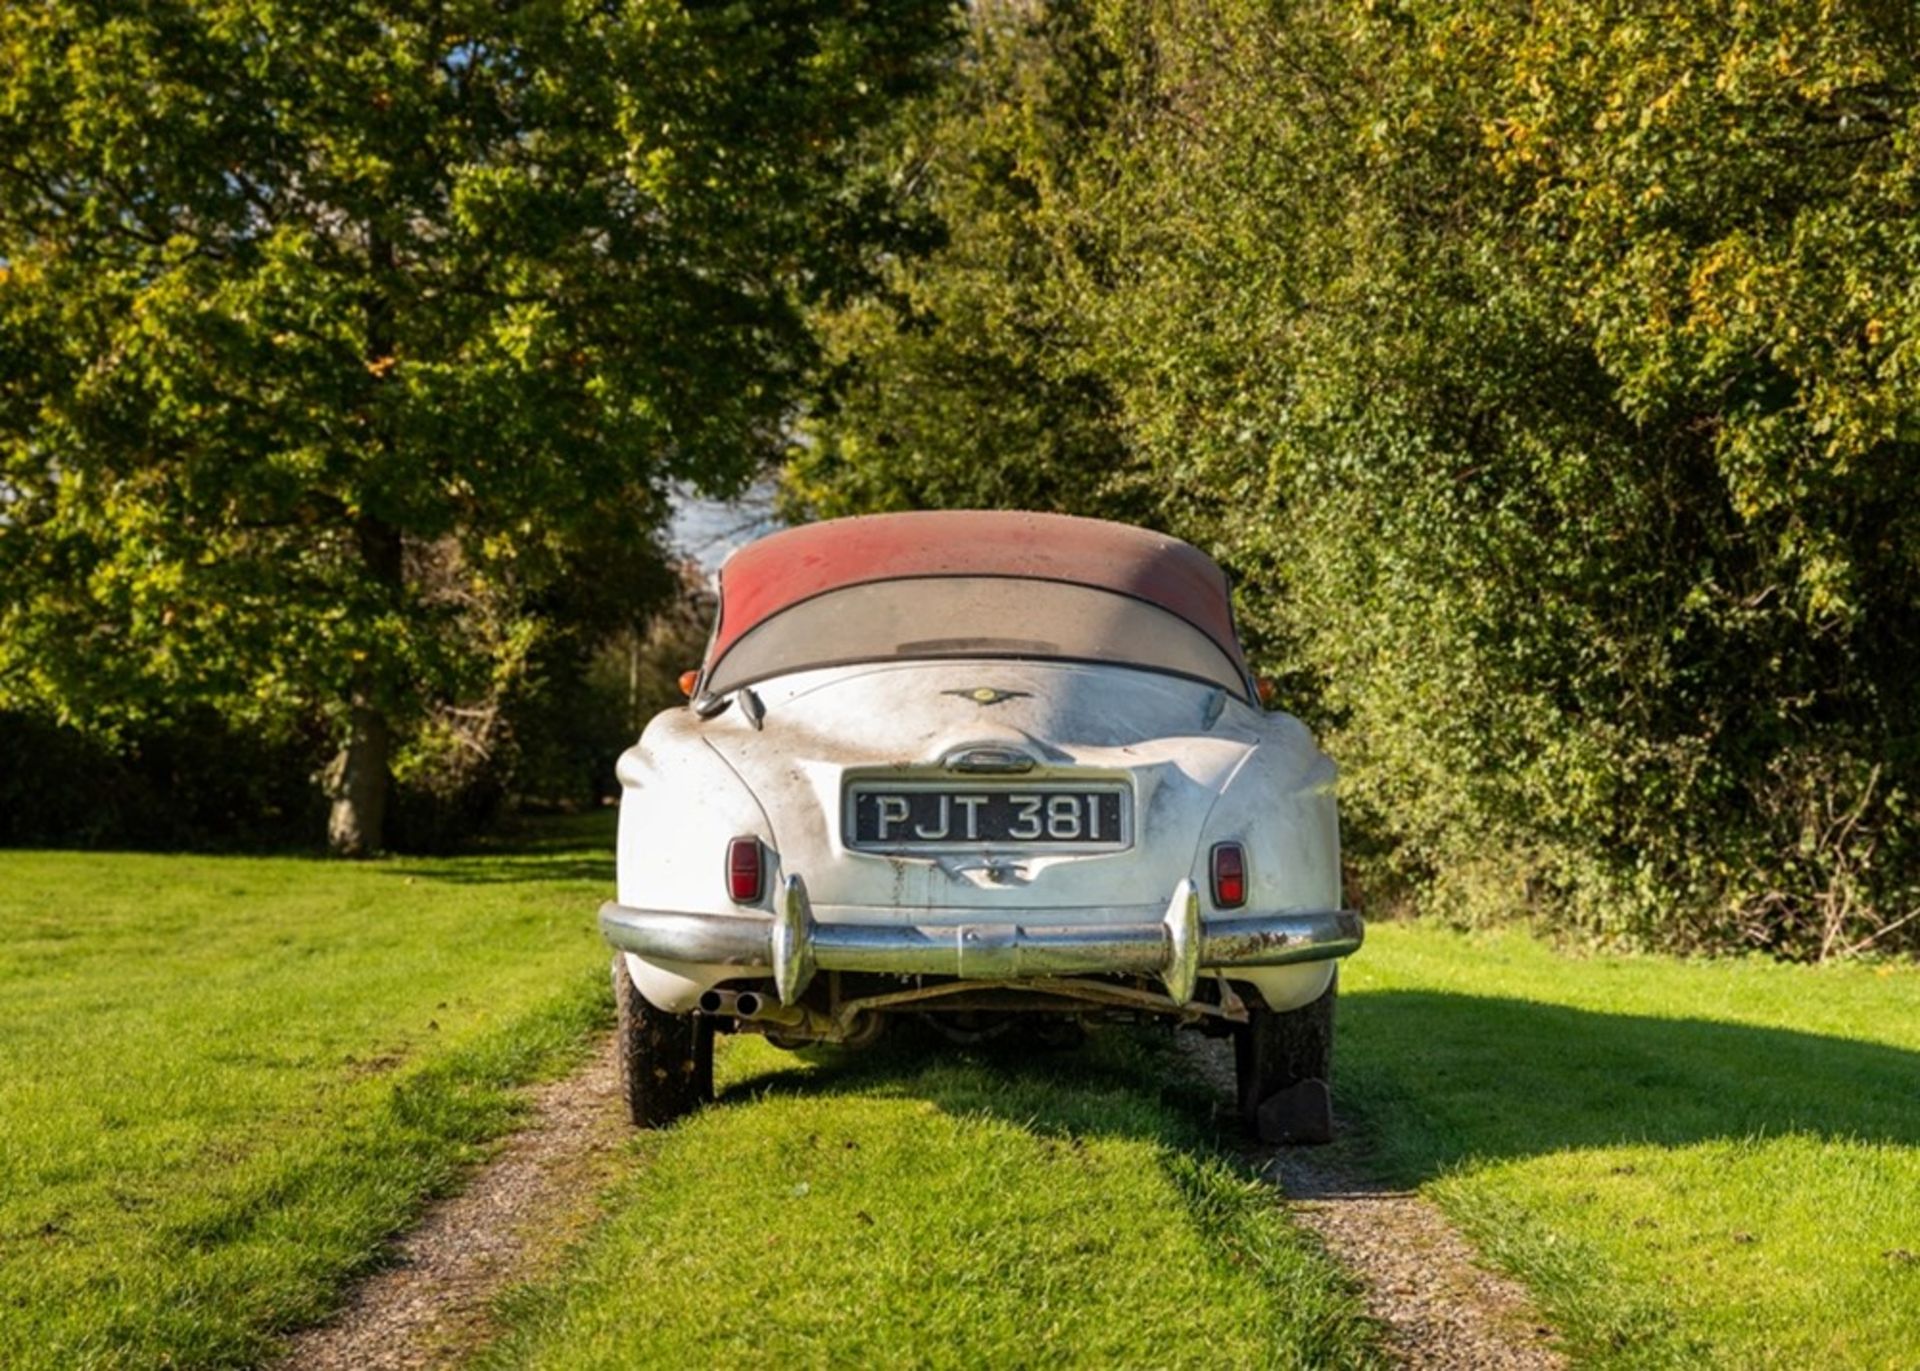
(1441, 1309)
(432, 1305)
(516, 1213)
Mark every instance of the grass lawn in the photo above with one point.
(223, 1081)
(919, 1205)
(1712, 1163)
(1706, 1163)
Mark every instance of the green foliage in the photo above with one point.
(962, 385)
(188, 780)
(592, 701)
(347, 349)
(1545, 376)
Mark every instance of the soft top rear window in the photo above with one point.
(972, 616)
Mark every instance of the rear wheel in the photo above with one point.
(1284, 1068)
(666, 1060)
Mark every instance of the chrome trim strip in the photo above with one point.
(988, 761)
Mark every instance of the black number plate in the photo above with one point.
(1035, 816)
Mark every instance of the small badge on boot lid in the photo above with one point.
(987, 695)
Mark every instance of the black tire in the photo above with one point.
(666, 1060)
(1283, 1066)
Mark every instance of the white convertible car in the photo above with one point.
(972, 766)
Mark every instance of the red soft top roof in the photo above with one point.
(782, 569)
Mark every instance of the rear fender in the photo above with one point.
(1281, 807)
(680, 805)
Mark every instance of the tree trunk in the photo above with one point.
(359, 779)
(356, 827)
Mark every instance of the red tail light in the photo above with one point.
(1229, 876)
(746, 870)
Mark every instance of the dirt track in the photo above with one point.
(514, 1214)
(1440, 1308)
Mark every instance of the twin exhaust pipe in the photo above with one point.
(751, 1004)
(789, 1022)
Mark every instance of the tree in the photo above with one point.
(958, 383)
(341, 339)
(1546, 376)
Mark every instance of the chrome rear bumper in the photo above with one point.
(794, 945)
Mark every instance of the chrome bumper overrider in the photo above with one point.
(795, 946)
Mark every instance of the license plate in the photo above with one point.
(1081, 817)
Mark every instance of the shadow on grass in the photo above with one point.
(1439, 1078)
(509, 870)
(1433, 1079)
(1429, 1081)
(537, 848)
(1127, 1085)
(1119, 1082)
